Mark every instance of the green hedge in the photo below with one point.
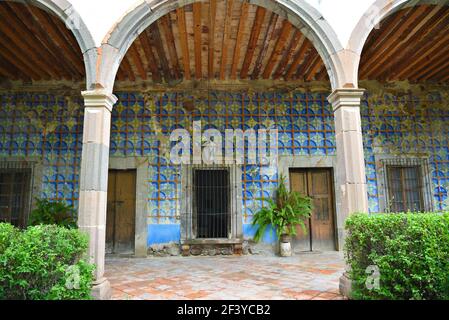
(411, 252)
(43, 263)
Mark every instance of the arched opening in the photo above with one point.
(228, 65)
(405, 69)
(221, 40)
(42, 73)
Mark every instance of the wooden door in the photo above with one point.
(317, 184)
(121, 212)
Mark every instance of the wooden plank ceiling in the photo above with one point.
(221, 40)
(36, 45)
(412, 44)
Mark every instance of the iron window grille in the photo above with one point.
(407, 185)
(15, 192)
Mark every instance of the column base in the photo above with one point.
(345, 286)
(101, 290)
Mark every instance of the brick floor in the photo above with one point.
(311, 276)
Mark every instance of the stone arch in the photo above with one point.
(143, 14)
(65, 11)
(379, 10)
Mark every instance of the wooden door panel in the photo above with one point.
(322, 217)
(125, 211)
(120, 221)
(298, 181)
(317, 184)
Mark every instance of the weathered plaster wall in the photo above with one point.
(397, 119)
(407, 120)
(304, 121)
(47, 129)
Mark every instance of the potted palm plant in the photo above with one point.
(284, 213)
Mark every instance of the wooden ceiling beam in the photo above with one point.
(314, 68)
(156, 41)
(445, 78)
(300, 56)
(278, 48)
(121, 75)
(34, 27)
(308, 62)
(149, 55)
(137, 59)
(282, 52)
(297, 40)
(197, 31)
(438, 73)
(390, 41)
(423, 54)
(180, 14)
(437, 76)
(165, 24)
(433, 61)
(69, 36)
(225, 46)
(413, 52)
(18, 33)
(24, 65)
(238, 42)
(127, 69)
(404, 43)
(211, 49)
(388, 27)
(322, 74)
(63, 39)
(72, 59)
(268, 37)
(252, 44)
(432, 66)
(11, 72)
(25, 51)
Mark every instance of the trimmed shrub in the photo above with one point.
(44, 263)
(411, 252)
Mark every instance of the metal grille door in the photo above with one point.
(211, 195)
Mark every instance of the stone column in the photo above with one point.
(350, 175)
(94, 181)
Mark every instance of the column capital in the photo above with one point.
(99, 98)
(346, 97)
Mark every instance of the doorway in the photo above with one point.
(316, 184)
(211, 196)
(121, 212)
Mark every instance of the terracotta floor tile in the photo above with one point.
(302, 277)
